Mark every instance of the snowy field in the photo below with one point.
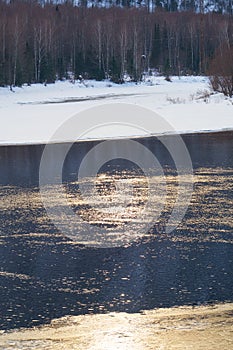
(32, 114)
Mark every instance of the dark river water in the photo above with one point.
(46, 275)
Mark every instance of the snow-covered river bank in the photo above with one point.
(205, 327)
(32, 114)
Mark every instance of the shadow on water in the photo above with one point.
(20, 163)
(44, 275)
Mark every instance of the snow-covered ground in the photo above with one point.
(32, 114)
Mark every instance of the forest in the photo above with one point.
(44, 41)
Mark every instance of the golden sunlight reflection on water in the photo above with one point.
(114, 208)
(172, 328)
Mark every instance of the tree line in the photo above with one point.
(198, 6)
(45, 42)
